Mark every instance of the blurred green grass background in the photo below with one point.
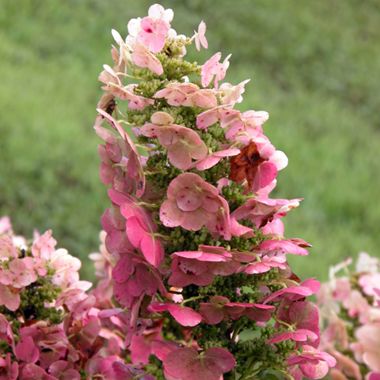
(314, 66)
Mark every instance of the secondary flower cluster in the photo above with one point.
(50, 327)
(350, 304)
(199, 246)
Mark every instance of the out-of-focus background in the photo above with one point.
(315, 66)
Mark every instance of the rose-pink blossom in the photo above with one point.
(213, 69)
(184, 315)
(184, 363)
(139, 227)
(121, 163)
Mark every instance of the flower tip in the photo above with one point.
(116, 36)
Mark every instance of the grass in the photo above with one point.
(314, 66)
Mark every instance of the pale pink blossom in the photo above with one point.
(44, 245)
(367, 347)
(367, 263)
(357, 306)
(284, 246)
(183, 144)
(9, 297)
(66, 268)
(213, 115)
(142, 57)
(5, 225)
(123, 54)
(214, 70)
(265, 263)
(261, 211)
(200, 37)
(114, 86)
(346, 367)
(8, 249)
(369, 283)
(215, 157)
(19, 273)
(155, 27)
(188, 95)
(311, 363)
(230, 94)
(176, 93)
(193, 203)
(247, 123)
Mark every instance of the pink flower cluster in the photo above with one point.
(23, 267)
(185, 147)
(50, 327)
(350, 305)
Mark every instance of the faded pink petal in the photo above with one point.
(10, 298)
(142, 57)
(200, 38)
(214, 70)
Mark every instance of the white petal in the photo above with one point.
(117, 37)
(280, 159)
(134, 26)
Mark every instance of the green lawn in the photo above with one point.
(314, 66)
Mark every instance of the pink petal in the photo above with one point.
(170, 214)
(26, 350)
(185, 315)
(152, 250)
(212, 314)
(266, 173)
